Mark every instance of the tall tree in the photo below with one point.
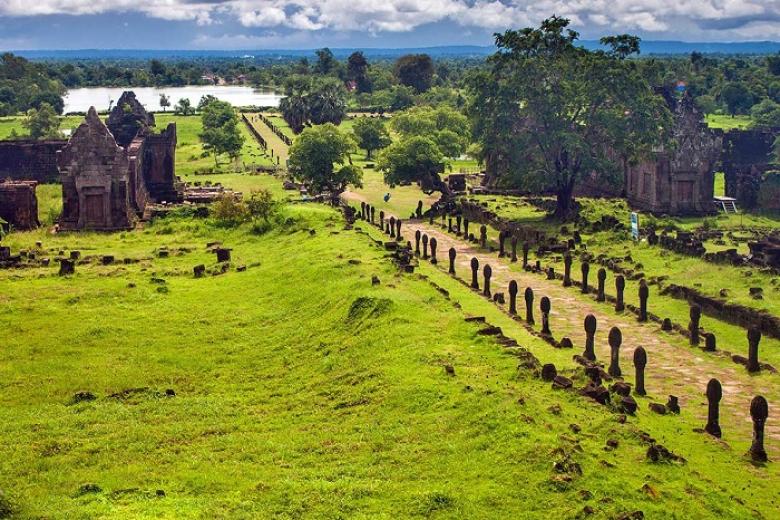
(165, 101)
(220, 130)
(319, 157)
(326, 62)
(371, 134)
(42, 123)
(737, 97)
(327, 103)
(295, 111)
(547, 113)
(414, 159)
(416, 71)
(357, 71)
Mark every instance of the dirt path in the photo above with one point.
(671, 369)
(278, 146)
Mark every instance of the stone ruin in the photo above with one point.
(19, 204)
(747, 157)
(30, 159)
(111, 172)
(678, 180)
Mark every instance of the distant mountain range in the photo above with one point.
(648, 48)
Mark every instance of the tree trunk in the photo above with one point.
(565, 202)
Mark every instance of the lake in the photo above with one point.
(80, 99)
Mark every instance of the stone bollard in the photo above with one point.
(759, 411)
(640, 362)
(512, 297)
(373, 214)
(223, 255)
(419, 210)
(67, 267)
(382, 220)
(458, 220)
(567, 270)
(453, 254)
(754, 337)
(602, 279)
(529, 305)
(392, 227)
(710, 343)
(714, 395)
(199, 270)
(363, 210)
(449, 225)
(474, 273)
(693, 325)
(590, 338)
(425, 246)
(615, 340)
(620, 287)
(526, 248)
(544, 306)
(514, 248)
(430, 217)
(487, 271)
(466, 228)
(417, 237)
(398, 230)
(501, 238)
(551, 273)
(433, 251)
(644, 294)
(585, 270)
(483, 236)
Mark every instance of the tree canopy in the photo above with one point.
(220, 130)
(446, 126)
(42, 123)
(320, 158)
(547, 113)
(416, 71)
(371, 134)
(309, 102)
(414, 159)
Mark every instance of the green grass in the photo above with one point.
(14, 123)
(726, 122)
(304, 391)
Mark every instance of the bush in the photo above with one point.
(229, 211)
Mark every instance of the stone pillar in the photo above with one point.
(449, 225)
(487, 271)
(620, 286)
(392, 227)
(67, 266)
(363, 210)
(417, 236)
(529, 305)
(714, 395)
(710, 343)
(425, 246)
(382, 220)
(433, 251)
(419, 210)
(526, 248)
(453, 254)
(590, 337)
(693, 325)
(585, 270)
(754, 337)
(483, 236)
(551, 273)
(398, 230)
(513, 297)
(644, 294)
(514, 248)
(567, 270)
(501, 238)
(640, 362)
(759, 411)
(458, 220)
(373, 214)
(615, 340)
(602, 278)
(466, 228)
(475, 273)
(544, 306)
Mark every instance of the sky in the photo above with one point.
(307, 24)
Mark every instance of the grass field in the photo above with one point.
(726, 122)
(304, 391)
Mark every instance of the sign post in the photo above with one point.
(635, 225)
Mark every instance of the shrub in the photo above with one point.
(229, 211)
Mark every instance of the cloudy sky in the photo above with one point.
(296, 24)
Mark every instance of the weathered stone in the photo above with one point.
(19, 204)
(514, 248)
(759, 411)
(567, 260)
(67, 266)
(526, 248)
(657, 408)
(417, 236)
(529, 305)
(128, 118)
(640, 362)
(549, 372)
(425, 246)
(714, 395)
(596, 392)
(433, 251)
(585, 268)
(710, 343)
(615, 340)
(693, 325)
(590, 338)
(453, 253)
(483, 236)
(602, 278)
(666, 325)
(512, 297)
(620, 286)
(754, 338)
(223, 254)
(644, 294)
(474, 273)
(621, 388)
(562, 383)
(628, 404)
(544, 306)
(487, 272)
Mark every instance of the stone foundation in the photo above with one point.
(30, 160)
(19, 204)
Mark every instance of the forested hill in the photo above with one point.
(648, 47)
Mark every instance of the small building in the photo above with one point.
(679, 179)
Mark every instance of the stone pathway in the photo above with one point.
(274, 143)
(672, 369)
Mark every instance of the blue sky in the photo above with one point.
(305, 24)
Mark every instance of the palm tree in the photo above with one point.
(295, 111)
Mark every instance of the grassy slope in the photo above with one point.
(726, 122)
(285, 407)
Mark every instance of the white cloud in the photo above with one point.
(684, 18)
